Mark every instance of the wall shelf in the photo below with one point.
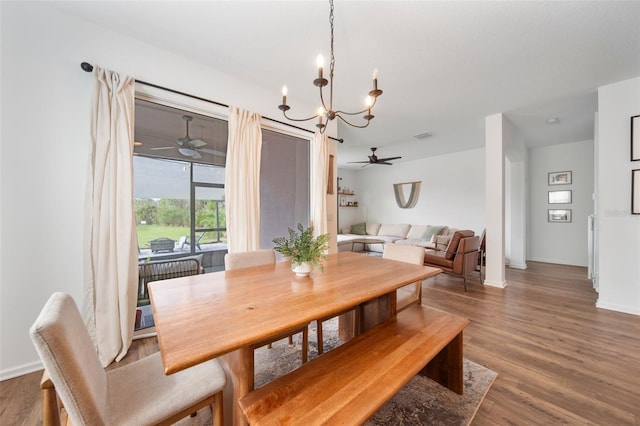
(342, 201)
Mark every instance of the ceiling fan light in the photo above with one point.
(186, 151)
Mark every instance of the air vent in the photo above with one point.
(423, 135)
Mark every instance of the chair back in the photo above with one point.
(69, 356)
(248, 259)
(404, 253)
(411, 293)
(164, 270)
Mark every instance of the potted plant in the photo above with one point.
(303, 249)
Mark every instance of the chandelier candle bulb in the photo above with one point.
(320, 63)
(285, 91)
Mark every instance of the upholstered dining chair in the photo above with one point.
(135, 394)
(411, 293)
(248, 259)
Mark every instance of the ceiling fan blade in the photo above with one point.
(388, 159)
(368, 162)
(213, 152)
(385, 163)
(162, 147)
(197, 143)
(187, 152)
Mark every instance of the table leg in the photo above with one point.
(238, 366)
(372, 313)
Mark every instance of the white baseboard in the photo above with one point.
(491, 283)
(518, 265)
(21, 370)
(618, 308)
(555, 261)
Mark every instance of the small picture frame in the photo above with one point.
(560, 178)
(559, 215)
(635, 138)
(343, 201)
(560, 197)
(635, 191)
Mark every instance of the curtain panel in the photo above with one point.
(319, 183)
(110, 260)
(242, 181)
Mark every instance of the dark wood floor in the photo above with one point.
(559, 359)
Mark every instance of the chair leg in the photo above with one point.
(50, 403)
(291, 339)
(464, 272)
(305, 344)
(320, 338)
(218, 417)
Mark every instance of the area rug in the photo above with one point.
(421, 402)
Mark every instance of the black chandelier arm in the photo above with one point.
(324, 105)
(351, 124)
(367, 109)
(299, 119)
(353, 113)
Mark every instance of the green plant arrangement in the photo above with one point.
(302, 247)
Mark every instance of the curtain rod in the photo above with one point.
(87, 67)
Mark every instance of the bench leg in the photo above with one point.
(446, 368)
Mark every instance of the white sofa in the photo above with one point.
(393, 233)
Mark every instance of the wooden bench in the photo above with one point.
(350, 383)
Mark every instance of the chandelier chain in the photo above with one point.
(333, 58)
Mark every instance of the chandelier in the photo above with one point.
(326, 112)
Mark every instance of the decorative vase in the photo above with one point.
(303, 269)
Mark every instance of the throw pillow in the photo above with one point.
(442, 241)
(372, 228)
(430, 232)
(358, 229)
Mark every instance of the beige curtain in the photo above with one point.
(110, 261)
(319, 182)
(242, 181)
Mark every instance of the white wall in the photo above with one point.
(349, 215)
(452, 191)
(618, 245)
(564, 243)
(516, 194)
(44, 152)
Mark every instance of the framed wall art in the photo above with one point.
(635, 191)
(560, 178)
(559, 215)
(560, 197)
(635, 138)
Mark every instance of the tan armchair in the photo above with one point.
(460, 256)
(135, 394)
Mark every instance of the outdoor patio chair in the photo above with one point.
(184, 241)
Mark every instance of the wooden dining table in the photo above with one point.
(224, 314)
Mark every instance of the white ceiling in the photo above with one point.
(444, 66)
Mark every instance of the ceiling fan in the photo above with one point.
(373, 159)
(190, 147)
